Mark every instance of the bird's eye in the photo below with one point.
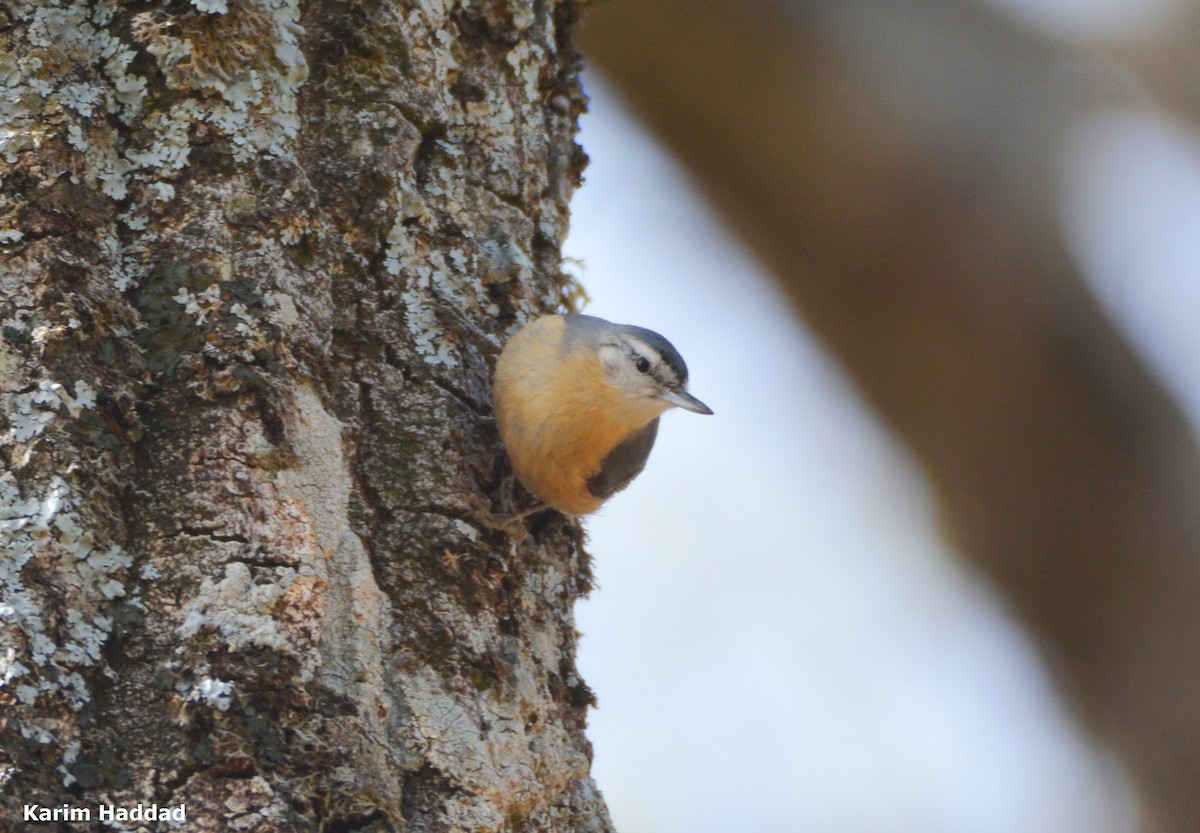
(642, 364)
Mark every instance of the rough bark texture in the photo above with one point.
(892, 163)
(256, 257)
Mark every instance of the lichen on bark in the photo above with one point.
(255, 257)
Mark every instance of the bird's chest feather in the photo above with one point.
(582, 418)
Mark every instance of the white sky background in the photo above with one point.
(780, 641)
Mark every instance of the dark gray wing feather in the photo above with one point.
(623, 463)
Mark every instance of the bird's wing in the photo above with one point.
(623, 463)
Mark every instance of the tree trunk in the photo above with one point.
(256, 257)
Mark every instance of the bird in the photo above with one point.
(577, 401)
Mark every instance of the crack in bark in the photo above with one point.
(200, 532)
(479, 410)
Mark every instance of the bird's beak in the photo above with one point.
(685, 400)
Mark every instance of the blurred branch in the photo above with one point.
(1164, 60)
(892, 164)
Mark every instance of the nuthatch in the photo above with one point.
(577, 403)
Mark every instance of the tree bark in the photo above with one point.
(256, 257)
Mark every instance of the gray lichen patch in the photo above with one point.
(63, 591)
(61, 577)
(242, 65)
